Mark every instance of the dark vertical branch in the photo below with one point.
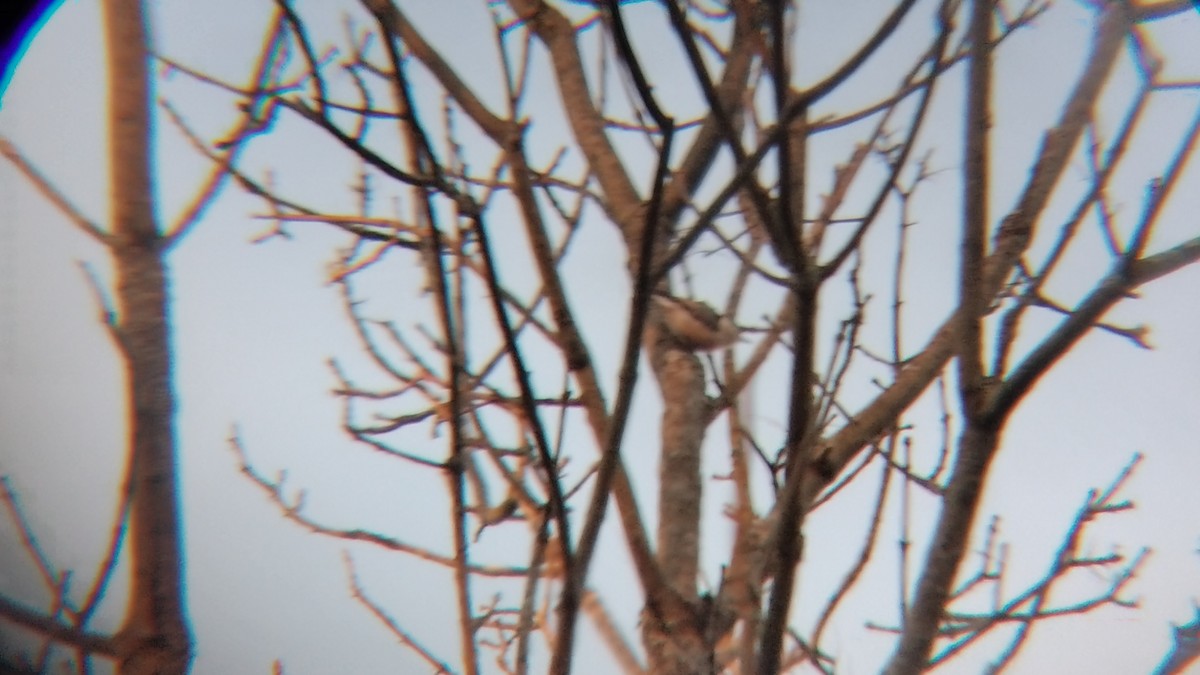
(976, 449)
(394, 24)
(978, 443)
(456, 464)
(423, 163)
(579, 364)
(804, 291)
(724, 126)
(587, 124)
(558, 509)
(973, 299)
(793, 255)
(627, 378)
(1010, 241)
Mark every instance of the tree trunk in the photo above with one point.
(673, 637)
(154, 638)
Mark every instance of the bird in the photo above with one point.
(694, 325)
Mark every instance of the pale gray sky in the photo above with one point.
(255, 325)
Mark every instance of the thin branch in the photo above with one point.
(293, 510)
(94, 643)
(1111, 290)
(51, 193)
(403, 636)
(254, 121)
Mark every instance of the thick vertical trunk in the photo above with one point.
(155, 636)
(682, 381)
(673, 637)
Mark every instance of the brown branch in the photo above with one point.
(587, 124)
(937, 55)
(979, 439)
(721, 128)
(227, 158)
(1153, 11)
(155, 622)
(852, 575)
(386, 230)
(51, 579)
(608, 469)
(1101, 175)
(51, 193)
(310, 57)
(974, 296)
(1111, 290)
(525, 620)
(1065, 560)
(401, 635)
(293, 510)
(421, 158)
(558, 509)
(353, 145)
(93, 643)
(828, 123)
(396, 25)
(886, 29)
(621, 650)
(108, 566)
(738, 58)
(976, 450)
(1012, 240)
(250, 185)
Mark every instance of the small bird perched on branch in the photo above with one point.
(694, 325)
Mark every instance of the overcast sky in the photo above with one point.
(256, 324)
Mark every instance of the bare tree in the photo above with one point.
(723, 187)
(713, 170)
(154, 637)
